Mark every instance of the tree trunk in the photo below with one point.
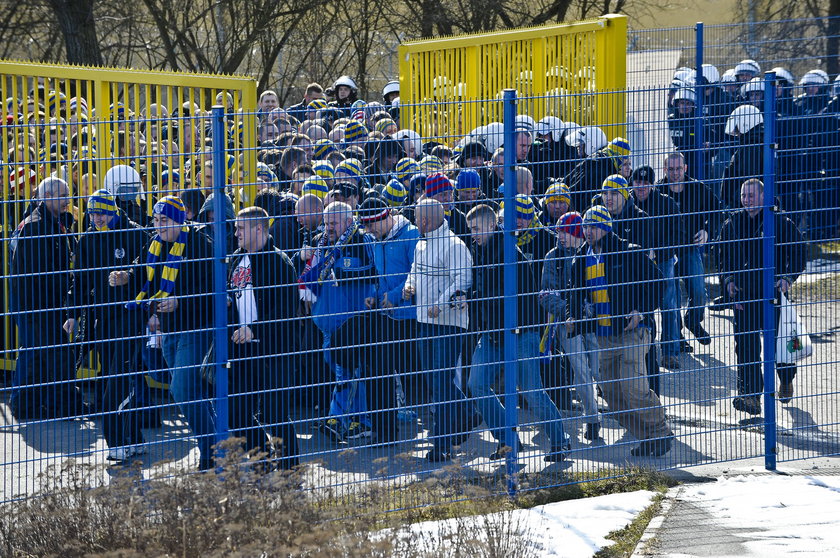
(833, 40)
(75, 19)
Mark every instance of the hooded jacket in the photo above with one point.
(393, 257)
(442, 268)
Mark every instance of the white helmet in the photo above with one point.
(748, 66)
(524, 122)
(782, 73)
(123, 181)
(835, 88)
(744, 118)
(392, 86)
(592, 138)
(683, 73)
(550, 125)
(823, 74)
(413, 137)
(494, 136)
(345, 80)
(686, 94)
(814, 77)
(711, 74)
(569, 128)
(755, 84)
(728, 77)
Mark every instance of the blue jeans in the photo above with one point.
(348, 396)
(690, 270)
(670, 340)
(487, 362)
(439, 348)
(184, 353)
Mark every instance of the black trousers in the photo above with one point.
(749, 328)
(119, 366)
(367, 342)
(258, 402)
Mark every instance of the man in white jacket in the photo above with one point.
(440, 277)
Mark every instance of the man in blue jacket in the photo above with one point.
(393, 254)
(340, 273)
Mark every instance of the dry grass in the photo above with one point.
(244, 511)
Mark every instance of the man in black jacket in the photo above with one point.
(100, 287)
(741, 267)
(623, 287)
(263, 312)
(701, 213)
(489, 354)
(175, 294)
(667, 230)
(40, 277)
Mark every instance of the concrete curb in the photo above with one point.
(655, 525)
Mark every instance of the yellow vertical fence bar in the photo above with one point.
(464, 75)
(610, 75)
(117, 100)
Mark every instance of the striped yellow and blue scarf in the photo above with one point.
(170, 269)
(596, 283)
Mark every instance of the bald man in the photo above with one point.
(309, 211)
(440, 277)
(340, 274)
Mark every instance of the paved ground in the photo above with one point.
(688, 529)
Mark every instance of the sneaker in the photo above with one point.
(125, 453)
(333, 429)
(671, 362)
(357, 431)
(502, 450)
(719, 305)
(653, 448)
(750, 404)
(785, 392)
(685, 347)
(556, 454)
(701, 334)
(592, 432)
(438, 456)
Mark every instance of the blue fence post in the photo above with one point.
(510, 287)
(220, 273)
(769, 271)
(699, 93)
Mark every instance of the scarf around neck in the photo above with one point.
(169, 275)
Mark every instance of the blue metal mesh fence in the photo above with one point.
(535, 303)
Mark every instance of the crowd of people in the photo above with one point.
(366, 276)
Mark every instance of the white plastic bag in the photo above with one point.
(792, 340)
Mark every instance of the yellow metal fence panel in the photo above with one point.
(450, 86)
(77, 123)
